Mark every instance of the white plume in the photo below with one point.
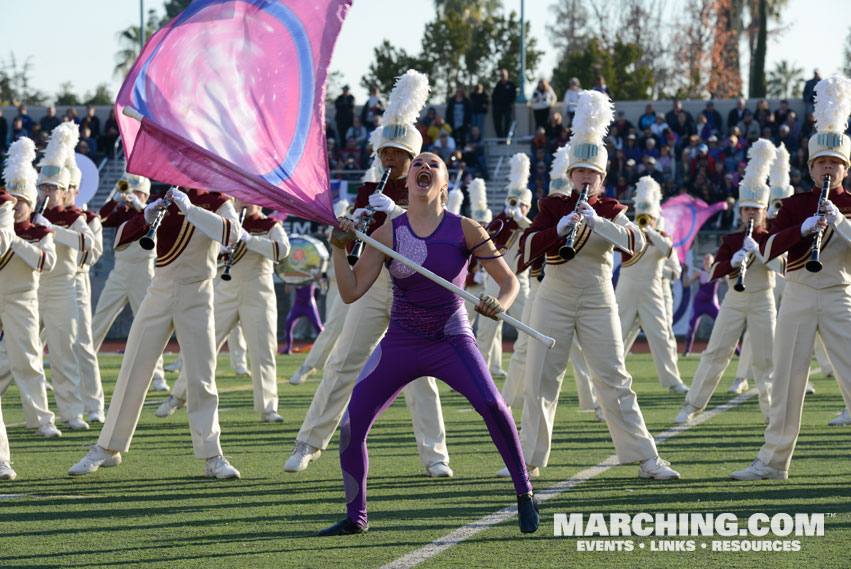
(832, 104)
(648, 190)
(375, 139)
(456, 198)
(56, 153)
(407, 98)
(560, 163)
(779, 173)
(71, 136)
(519, 175)
(594, 114)
(760, 157)
(478, 194)
(19, 163)
(373, 173)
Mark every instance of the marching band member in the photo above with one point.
(180, 298)
(57, 290)
(397, 143)
(31, 252)
(91, 390)
(133, 269)
(335, 316)
(429, 333)
(506, 229)
(812, 301)
(640, 296)
(249, 298)
(754, 305)
(580, 300)
(7, 236)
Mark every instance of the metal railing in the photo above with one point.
(507, 143)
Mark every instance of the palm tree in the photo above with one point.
(128, 40)
(784, 81)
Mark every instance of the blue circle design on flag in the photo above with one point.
(691, 230)
(307, 79)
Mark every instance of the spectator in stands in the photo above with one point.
(352, 152)
(683, 127)
(702, 127)
(344, 111)
(672, 116)
(438, 126)
(647, 167)
(600, 85)
(26, 119)
(357, 132)
(748, 126)
(504, 95)
(335, 161)
(736, 114)
(671, 189)
(781, 113)
(810, 90)
(713, 117)
(554, 126)
(691, 149)
(351, 168)
(41, 141)
(650, 148)
(424, 123)
(371, 112)
(732, 152)
(91, 120)
(83, 148)
(658, 127)
(540, 176)
(459, 116)
(665, 163)
(631, 172)
(330, 131)
(18, 129)
(571, 97)
(768, 134)
(631, 149)
(86, 135)
(445, 146)
(474, 152)
(110, 132)
(702, 160)
(647, 120)
(49, 121)
(562, 140)
(715, 150)
(540, 140)
(809, 126)
(479, 107)
(543, 97)
(4, 131)
(71, 115)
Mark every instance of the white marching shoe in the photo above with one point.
(219, 467)
(271, 417)
(301, 375)
(686, 414)
(77, 424)
(657, 468)
(303, 454)
(173, 367)
(440, 470)
(532, 471)
(94, 459)
(169, 406)
(598, 415)
(48, 431)
(758, 470)
(97, 417)
(242, 370)
(739, 386)
(6, 472)
(159, 384)
(810, 388)
(678, 388)
(843, 419)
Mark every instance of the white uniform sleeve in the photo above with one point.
(221, 226)
(621, 233)
(78, 237)
(274, 245)
(40, 256)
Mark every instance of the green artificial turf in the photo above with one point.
(157, 510)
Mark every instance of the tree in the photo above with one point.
(66, 96)
(784, 81)
(15, 83)
(101, 96)
(756, 85)
(568, 29)
(173, 8)
(333, 86)
(725, 80)
(128, 39)
(625, 77)
(761, 13)
(390, 62)
(846, 68)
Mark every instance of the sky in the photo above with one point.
(86, 55)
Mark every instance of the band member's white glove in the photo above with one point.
(41, 220)
(119, 197)
(380, 202)
(243, 235)
(518, 215)
(738, 258)
(152, 209)
(358, 213)
(180, 199)
(135, 202)
(479, 277)
(811, 224)
(565, 223)
(750, 245)
(831, 212)
(588, 214)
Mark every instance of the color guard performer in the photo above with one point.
(397, 143)
(640, 296)
(57, 290)
(705, 302)
(249, 298)
(754, 305)
(133, 269)
(31, 252)
(180, 298)
(817, 301)
(577, 297)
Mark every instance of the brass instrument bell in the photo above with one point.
(642, 220)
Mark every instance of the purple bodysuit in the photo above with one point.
(705, 303)
(303, 307)
(429, 335)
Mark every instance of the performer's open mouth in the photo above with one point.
(424, 179)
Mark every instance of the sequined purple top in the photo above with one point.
(419, 305)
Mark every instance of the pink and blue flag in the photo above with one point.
(684, 215)
(231, 98)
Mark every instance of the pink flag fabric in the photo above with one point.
(684, 215)
(231, 98)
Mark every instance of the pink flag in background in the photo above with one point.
(231, 95)
(684, 215)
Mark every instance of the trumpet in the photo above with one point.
(567, 251)
(740, 283)
(814, 264)
(775, 204)
(122, 185)
(512, 201)
(366, 220)
(642, 220)
(147, 242)
(226, 274)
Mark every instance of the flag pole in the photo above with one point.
(546, 340)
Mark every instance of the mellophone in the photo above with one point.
(366, 220)
(740, 283)
(567, 251)
(226, 274)
(814, 264)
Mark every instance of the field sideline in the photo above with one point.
(157, 510)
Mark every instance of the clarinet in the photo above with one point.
(814, 264)
(147, 242)
(567, 250)
(740, 284)
(40, 209)
(366, 221)
(226, 274)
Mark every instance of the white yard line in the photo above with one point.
(465, 532)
